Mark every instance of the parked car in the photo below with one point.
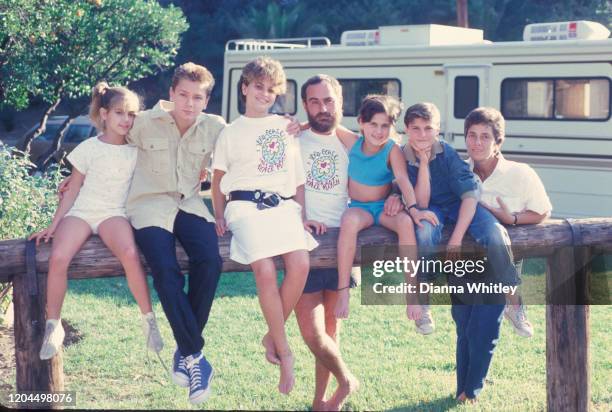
(80, 129)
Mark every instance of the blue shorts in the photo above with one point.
(374, 208)
(324, 279)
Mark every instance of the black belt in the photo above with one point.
(264, 200)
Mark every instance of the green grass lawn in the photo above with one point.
(398, 369)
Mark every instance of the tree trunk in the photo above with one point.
(462, 13)
(45, 159)
(24, 146)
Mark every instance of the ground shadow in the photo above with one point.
(231, 284)
(441, 404)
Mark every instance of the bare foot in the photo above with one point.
(270, 350)
(287, 379)
(342, 304)
(343, 391)
(319, 406)
(462, 398)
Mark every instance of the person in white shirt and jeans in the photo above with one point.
(511, 191)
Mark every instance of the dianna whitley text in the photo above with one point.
(471, 287)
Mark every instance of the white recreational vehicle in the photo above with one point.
(553, 89)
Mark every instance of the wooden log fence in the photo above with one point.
(566, 244)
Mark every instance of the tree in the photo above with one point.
(84, 42)
(19, 22)
(277, 21)
(504, 20)
(214, 22)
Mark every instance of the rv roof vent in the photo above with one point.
(428, 35)
(360, 38)
(566, 30)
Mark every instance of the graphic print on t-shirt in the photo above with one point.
(322, 173)
(272, 149)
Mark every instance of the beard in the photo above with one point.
(323, 122)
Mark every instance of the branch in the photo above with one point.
(25, 145)
(45, 159)
(112, 66)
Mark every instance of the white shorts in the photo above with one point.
(94, 219)
(258, 234)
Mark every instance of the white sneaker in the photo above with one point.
(54, 337)
(151, 332)
(518, 317)
(425, 324)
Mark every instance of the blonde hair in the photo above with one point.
(104, 96)
(195, 73)
(264, 68)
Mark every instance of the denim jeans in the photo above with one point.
(477, 335)
(188, 312)
(486, 231)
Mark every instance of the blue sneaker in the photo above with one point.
(180, 374)
(200, 375)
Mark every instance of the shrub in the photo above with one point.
(27, 203)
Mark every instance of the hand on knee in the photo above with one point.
(426, 235)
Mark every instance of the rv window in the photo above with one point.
(582, 99)
(556, 99)
(354, 90)
(285, 103)
(466, 95)
(527, 98)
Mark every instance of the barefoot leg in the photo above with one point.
(271, 306)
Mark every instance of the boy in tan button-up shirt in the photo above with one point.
(175, 141)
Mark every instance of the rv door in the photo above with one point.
(467, 87)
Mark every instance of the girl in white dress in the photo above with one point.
(94, 203)
(257, 174)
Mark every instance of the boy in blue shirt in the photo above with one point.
(445, 185)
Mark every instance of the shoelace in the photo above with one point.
(49, 332)
(425, 318)
(183, 364)
(521, 314)
(195, 375)
(194, 361)
(195, 378)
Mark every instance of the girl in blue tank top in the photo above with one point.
(374, 162)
